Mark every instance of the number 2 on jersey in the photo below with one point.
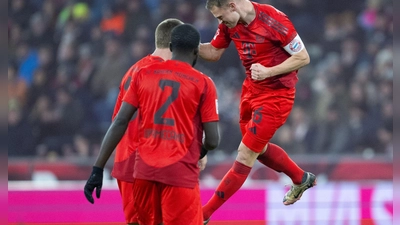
(172, 97)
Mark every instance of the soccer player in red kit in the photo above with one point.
(176, 104)
(272, 52)
(124, 160)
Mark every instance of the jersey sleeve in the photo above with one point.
(209, 104)
(118, 104)
(131, 95)
(280, 26)
(122, 90)
(221, 38)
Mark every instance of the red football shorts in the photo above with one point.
(128, 203)
(157, 202)
(262, 112)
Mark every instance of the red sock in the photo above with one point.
(231, 183)
(277, 159)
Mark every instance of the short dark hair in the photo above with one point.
(185, 38)
(217, 3)
(163, 32)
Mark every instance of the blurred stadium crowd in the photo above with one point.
(67, 57)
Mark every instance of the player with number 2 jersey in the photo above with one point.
(174, 100)
(176, 104)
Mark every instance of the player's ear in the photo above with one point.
(196, 51)
(232, 6)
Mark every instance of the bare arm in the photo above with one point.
(115, 133)
(294, 62)
(210, 53)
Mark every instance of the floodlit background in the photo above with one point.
(66, 60)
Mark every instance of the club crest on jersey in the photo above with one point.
(295, 45)
(259, 38)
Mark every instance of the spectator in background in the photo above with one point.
(76, 16)
(15, 38)
(40, 33)
(65, 117)
(138, 49)
(62, 79)
(302, 130)
(350, 43)
(46, 59)
(204, 23)
(67, 55)
(49, 13)
(164, 10)
(85, 67)
(350, 52)
(332, 134)
(143, 33)
(17, 87)
(38, 87)
(27, 60)
(96, 41)
(104, 84)
(18, 127)
(385, 129)
(184, 11)
(358, 124)
(73, 11)
(20, 11)
(40, 117)
(136, 16)
(113, 20)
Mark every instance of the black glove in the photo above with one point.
(95, 181)
(203, 152)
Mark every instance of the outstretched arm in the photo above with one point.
(210, 53)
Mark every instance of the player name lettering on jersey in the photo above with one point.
(161, 71)
(164, 135)
(187, 77)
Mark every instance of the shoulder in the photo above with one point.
(206, 79)
(149, 68)
(197, 73)
(268, 9)
(223, 28)
(153, 65)
(147, 60)
(197, 77)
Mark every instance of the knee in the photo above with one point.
(246, 156)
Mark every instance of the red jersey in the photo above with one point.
(124, 157)
(261, 41)
(174, 100)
